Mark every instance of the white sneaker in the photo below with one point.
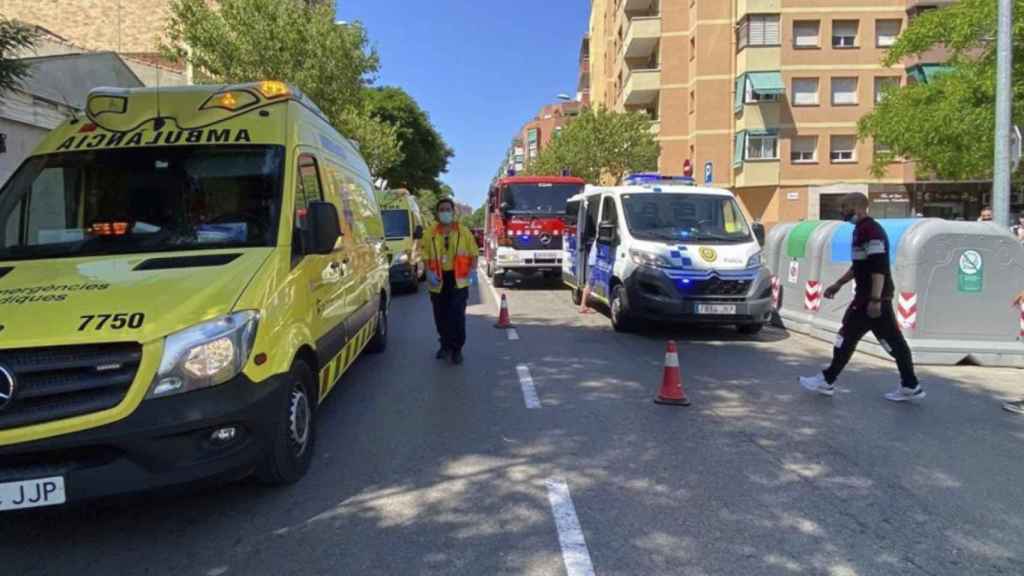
(817, 384)
(906, 394)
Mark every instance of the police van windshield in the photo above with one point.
(539, 199)
(141, 200)
(396, 223)
(685, 218)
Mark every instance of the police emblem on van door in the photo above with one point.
(708, 254)
(7, 388)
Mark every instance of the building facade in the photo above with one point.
(536, 134)
(764, 96)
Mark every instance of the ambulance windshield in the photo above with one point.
(141, 200)
(685, 218)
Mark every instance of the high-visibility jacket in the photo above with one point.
(458, 258)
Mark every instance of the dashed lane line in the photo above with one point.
(526, 383)
(570, 536)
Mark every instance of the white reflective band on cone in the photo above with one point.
(671, 360)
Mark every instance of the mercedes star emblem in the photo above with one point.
(545, 240)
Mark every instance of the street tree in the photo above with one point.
(600, 144)
(14, 37)
(294, 41)
(425, 153)
(947, 124)
(476, 220)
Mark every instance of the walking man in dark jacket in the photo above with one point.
(871, 309)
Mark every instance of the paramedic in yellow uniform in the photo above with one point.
(450, 253)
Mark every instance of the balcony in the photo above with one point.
(642, 87)
(642, 37)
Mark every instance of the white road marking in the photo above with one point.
(529, 391)
(570, 535)
(512, 334)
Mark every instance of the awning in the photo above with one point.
(741, 147)
(927, 73)
(766, 82)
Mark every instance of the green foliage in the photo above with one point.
(289, 40)
(599, 144)
(14, 37)
(477, 219)
(425, 154)
(947, 126)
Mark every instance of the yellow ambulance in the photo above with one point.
(185, 273)
(403, 229)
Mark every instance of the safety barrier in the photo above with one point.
(774, 252)
(954, 281)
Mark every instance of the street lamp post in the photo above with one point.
(1001, 177)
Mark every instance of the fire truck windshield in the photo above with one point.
(542, 199)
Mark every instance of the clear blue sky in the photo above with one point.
(480, 68)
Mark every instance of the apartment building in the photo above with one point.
(536, 134)
(764, 96)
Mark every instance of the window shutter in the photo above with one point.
(741, 92)
(757, 30)
(741, 146)
(805, 91)
(806, 34)
(887, 31)
(771, 31)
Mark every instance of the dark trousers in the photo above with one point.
(856, 324)
(450, 313)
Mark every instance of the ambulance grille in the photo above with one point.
(66, 381)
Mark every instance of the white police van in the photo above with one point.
(668, 251)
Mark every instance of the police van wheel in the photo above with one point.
(749, 329)
(622, 319)
(294, 431)
(499, 280)
(379, 343)
(577, 296)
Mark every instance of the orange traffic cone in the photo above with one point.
(671, 392)
(503, 319)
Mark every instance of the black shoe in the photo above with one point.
(457, 357)
(441, 354)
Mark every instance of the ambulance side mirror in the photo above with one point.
(758, 229)
(417, 234)
(323, 227)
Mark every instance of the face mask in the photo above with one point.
(445, 217)
(850, 216)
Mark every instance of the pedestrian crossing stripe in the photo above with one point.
(337, 366)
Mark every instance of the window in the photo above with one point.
(804, 150)
(886, 32)
(762, 147)
(844, 149)
(805, 91)
(806, 33)
(884, 83)
(759, 30)
(882, 149)
(844, 33)
(608, 213)
(844, 91)
(309, 184)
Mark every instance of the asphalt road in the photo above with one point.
(425, 468)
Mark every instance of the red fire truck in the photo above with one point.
(525, 224)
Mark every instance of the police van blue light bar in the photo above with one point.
(650, 178)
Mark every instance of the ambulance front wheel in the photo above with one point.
(293, 431)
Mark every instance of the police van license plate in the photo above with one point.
(32, 493)
(717, 309)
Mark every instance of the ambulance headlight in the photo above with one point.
(645, 258)
(756, 260)
(205, 355)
